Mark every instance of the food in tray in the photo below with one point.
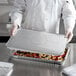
(41, 56)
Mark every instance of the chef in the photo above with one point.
(43, 15)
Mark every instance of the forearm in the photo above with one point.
(16, 19)
(69, 15)
(69, 24)
(17, 12)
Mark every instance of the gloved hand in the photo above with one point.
(69, 35)
(13, 29)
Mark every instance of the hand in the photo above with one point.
(13, 30)
(69, 35)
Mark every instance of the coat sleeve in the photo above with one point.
(69, 15)
(74, 1)
(17, 12)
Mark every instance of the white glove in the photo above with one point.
(13, 29)
(69, 35)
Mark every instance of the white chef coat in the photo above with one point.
(74, 1)
(43, 15)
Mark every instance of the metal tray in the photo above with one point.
(39, 42)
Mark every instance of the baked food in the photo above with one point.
(40, 55)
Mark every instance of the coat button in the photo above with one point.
(67, 1)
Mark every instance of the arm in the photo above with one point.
(17, 11)
(74, 1)
(16, 15)
(69, 18)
